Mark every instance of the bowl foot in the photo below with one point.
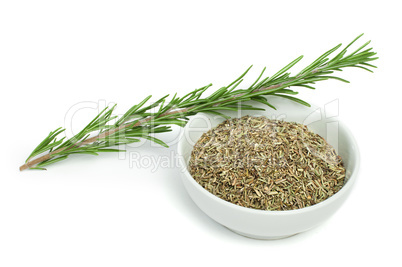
(261, 237)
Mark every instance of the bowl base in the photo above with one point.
(261, 237)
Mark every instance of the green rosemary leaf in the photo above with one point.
(238, 79)
(48, 147)
(319, 60)
(161, 106)
(161, 129)
(244, 107)
(218, 94)
(199, 94)
(84, 152)
(110, 150)
(306, 86)
(155, 104)
(51, 137)
(361, 67)
(367, 64)
(336, 78)
(171, 104)
(295, 99)
(217, 113)
(263, 100)
(259, 77)
(189, 96)
(261, 83)
(175, 122)
(220, 108)
(286, 68)
(156, 140)
(120, 141)
(235, 85)
(84, 132)
(54, 141)
(193, 103)
(50, 161)
(360, 48)
(130, 125)
(287, 91)
(132, 110)
(343, 52)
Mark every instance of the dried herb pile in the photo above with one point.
(266, 164)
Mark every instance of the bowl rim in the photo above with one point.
(345, 188)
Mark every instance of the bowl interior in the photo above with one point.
(318, 119)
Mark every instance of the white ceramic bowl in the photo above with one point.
(263, 224)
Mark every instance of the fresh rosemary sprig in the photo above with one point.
(143, 120)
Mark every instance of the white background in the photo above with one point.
(59, 56)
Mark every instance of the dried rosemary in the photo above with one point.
(266, 164)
